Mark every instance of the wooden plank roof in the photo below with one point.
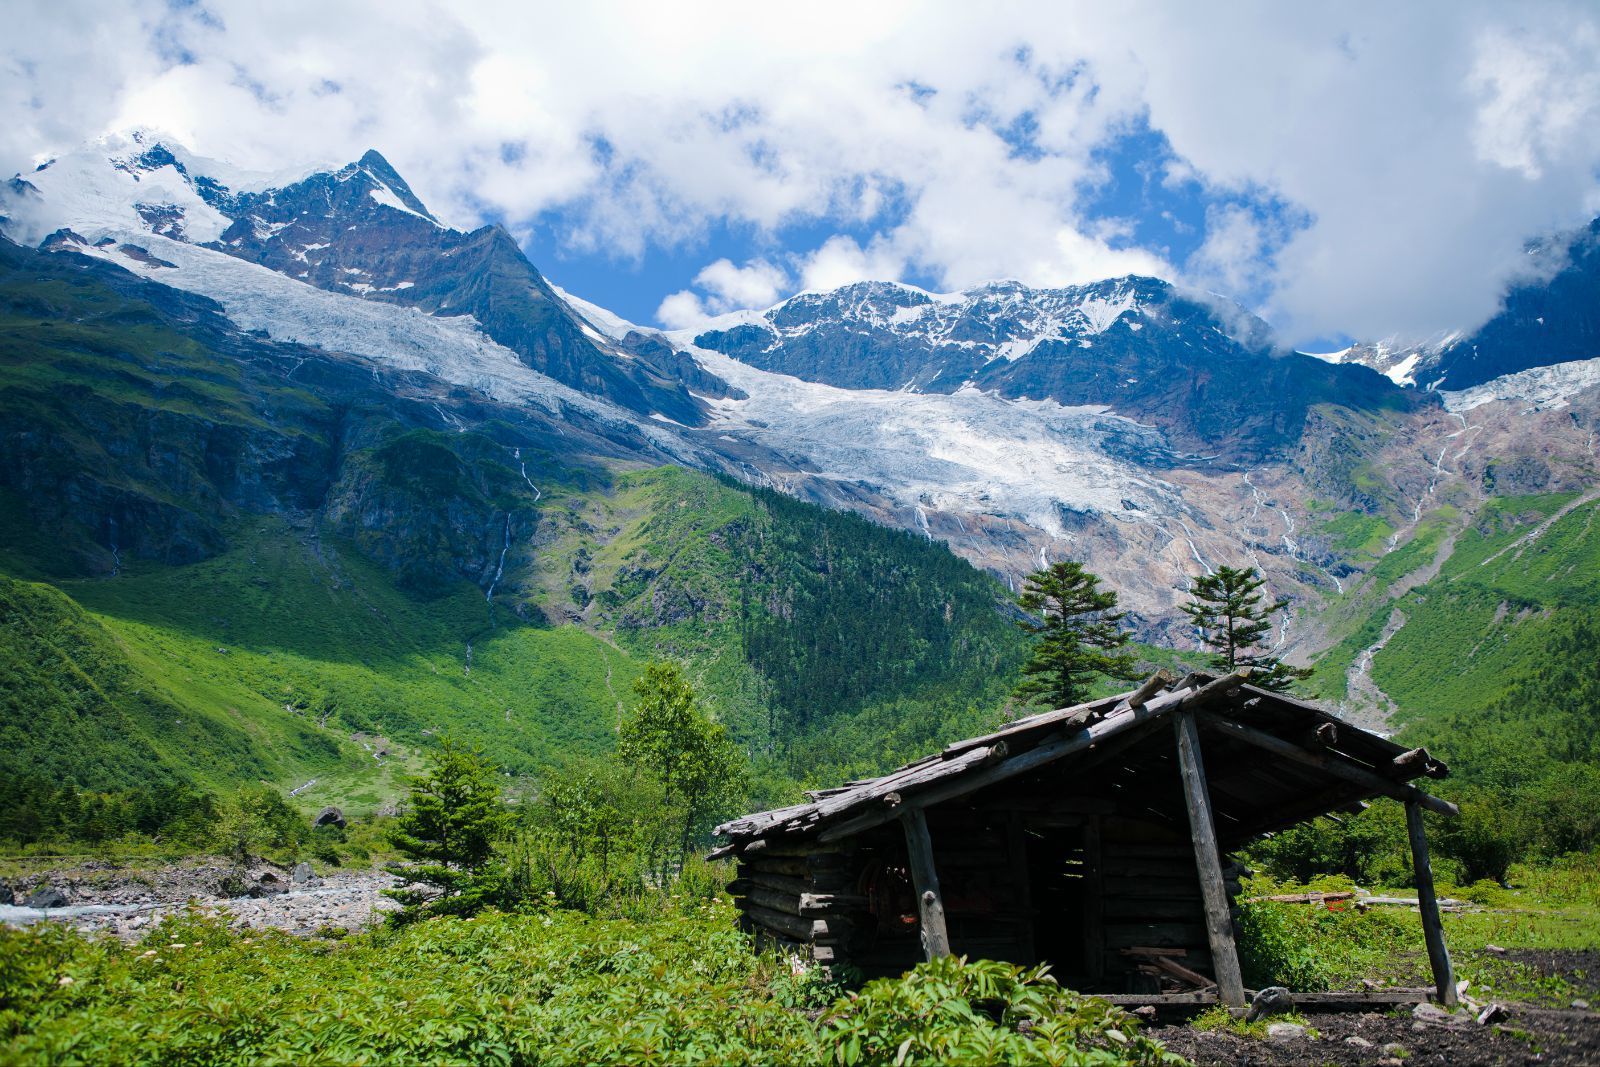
(1273, 761)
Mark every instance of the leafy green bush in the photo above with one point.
(257, 819)
(1484, 840)
(1369, 849)
(952, 1011)
(550, 989)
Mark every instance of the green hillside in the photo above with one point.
(286, 656)
(1494, 665)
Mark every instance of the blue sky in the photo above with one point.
(1355, 170)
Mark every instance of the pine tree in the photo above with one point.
(448, 830)
(1228, 608)
(1080, 634)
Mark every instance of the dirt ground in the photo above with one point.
(1527, 1035)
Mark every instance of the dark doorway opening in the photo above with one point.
(1059, 886)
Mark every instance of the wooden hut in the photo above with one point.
(1094, 837)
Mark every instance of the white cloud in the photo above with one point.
(841, 261)
(756, 284)
(1539, 97)
(1423, 143)
(681, 311)
(1235, 254)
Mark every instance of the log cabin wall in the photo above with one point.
(1073, 891)
(801, 900)
(1152, 899)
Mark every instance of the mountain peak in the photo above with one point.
(380, 170)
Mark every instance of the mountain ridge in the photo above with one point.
(1153, 431)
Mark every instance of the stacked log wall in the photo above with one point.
(1152, 899)
(799, 900)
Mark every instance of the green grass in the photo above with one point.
(1489, 618)
(263, 662)
(1354, 534)
(1549, 908)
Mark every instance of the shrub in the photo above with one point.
(952, 1011)
(257, 819)
(556, 988)
(1484, 841)
(1310, 948)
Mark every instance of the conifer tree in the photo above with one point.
(1229, 609)
(448, 830)
(1080, 634)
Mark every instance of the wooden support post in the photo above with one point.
(1021, 877)
(925, 880)
(1094, 902)
(1444, 976)
(1202, 828)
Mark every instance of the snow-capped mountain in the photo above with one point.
(354, 230)
(1202, 368)
(1152, 431)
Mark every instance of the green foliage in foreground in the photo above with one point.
(549, 988)
(952, 1011)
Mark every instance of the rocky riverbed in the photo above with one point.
(127, 900)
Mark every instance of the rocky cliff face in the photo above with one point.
(137, 423)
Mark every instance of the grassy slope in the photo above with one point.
(1486, 619)
(828, 644)
(1482, 666)
(265, 661)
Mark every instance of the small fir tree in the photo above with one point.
(1080, 635)
(448, 830)
(1233, 617)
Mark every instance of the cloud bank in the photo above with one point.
(1370, 169)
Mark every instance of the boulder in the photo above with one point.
(46, 897)
(1273, 1000)
(302, 873)
(6, 895)
(1285, 1032)
(329, 817)
(267, 884)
